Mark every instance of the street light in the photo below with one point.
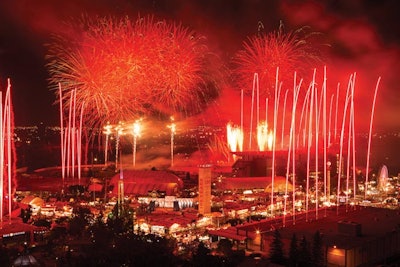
(136, 133)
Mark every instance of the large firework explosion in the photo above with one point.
(123, 69)
(263, 53)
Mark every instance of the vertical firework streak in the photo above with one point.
(336, 112)
(70, 138)
(330, 121)
(79, 143)
(68, 134)
(324, 131)
(73, 134)
(293, 123)
(241, 110)
(107, 131)
(347, 99)
(7, 154)
(369, 136)
(258, 100)
(351, 142)
(283, 118)
(302, 117)
(309, 141)
(1, 161)
(291, 148)
(119, 130)
(9, 144)
(314, 120)
(276, 104)
(172, 126)
(62, 144)
(135, 134)
(350, 139)
(316, 151)
(255, 87)
(266, 110)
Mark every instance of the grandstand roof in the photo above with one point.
(244, 183)
(140, 182)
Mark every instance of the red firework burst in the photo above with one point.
(264, 53)
(123, 69)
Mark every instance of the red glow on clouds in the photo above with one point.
(358, 36)
(356, 46)
(356, 42)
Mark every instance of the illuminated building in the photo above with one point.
(142, 182)
(204, 189)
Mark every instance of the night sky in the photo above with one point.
(364, 37)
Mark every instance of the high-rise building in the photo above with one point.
(204, 189)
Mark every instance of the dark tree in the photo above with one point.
(225, 247)
(201, 257)
(317, 251)
(293, 252)
(42, 223)
(4, 257)
(26, 214)
(276, 250)
(304, 253)
(79, 221)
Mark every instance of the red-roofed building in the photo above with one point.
(250, 183)
(141, 182)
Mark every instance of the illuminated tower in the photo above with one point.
(205, 189)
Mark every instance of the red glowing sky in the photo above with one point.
(363, 37)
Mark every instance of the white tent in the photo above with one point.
(25, 260)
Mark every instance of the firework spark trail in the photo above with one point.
(291, 148)
(62, 136)
(317, 116)
(234, 138)
(255, 86)
(370, 135)
(304, 109)
(336, 111)
(1, 161)
(70, 138)
(293, 144)
(283, 118)
(276, 105)
(310, 123)
(124, 69)
(324, 133)
(79, 143)
(330, 121)
(315, 122)
(263, 53)
(349, 139)
(8, 181)
(68, 134)
(342, 140)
